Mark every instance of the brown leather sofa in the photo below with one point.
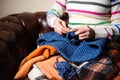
(18, 35)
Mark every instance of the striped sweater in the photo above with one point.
(103, 16)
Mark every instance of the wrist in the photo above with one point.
(51, 20)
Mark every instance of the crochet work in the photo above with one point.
(71, 48)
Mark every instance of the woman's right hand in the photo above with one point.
(60, 26)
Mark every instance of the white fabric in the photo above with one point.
(34, 73)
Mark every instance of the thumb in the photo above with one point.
(63, 24)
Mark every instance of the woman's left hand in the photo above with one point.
(84, 32)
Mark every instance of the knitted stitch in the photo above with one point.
(82, 51)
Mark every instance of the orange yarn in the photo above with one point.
(48, 67)
(117, 77)
(39, 54)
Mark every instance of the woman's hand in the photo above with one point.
(60, 26)
(84, 32)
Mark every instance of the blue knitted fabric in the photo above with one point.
(71, 48)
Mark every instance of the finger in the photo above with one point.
(57, 31)
(73, 30)
(63, 28)
(60, 29)
(80, 32)
(84, 35)
(63, 24)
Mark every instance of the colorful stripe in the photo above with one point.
(88, 23)
(108, 36)
(87, 3)
(116, 12)
(90, 12)
(61, 4)
(118, 27)
(56, 12)
(116, 4)
(87, 16)
(52, 12)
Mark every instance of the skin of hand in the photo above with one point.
(84, 32)
(60, 26)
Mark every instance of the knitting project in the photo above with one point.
(71, 48)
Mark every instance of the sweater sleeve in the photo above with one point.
(56, 10)
(112, 29)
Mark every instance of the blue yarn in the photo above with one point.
(72, 38)
(112, 0)
(67, 71)
(71, 48)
